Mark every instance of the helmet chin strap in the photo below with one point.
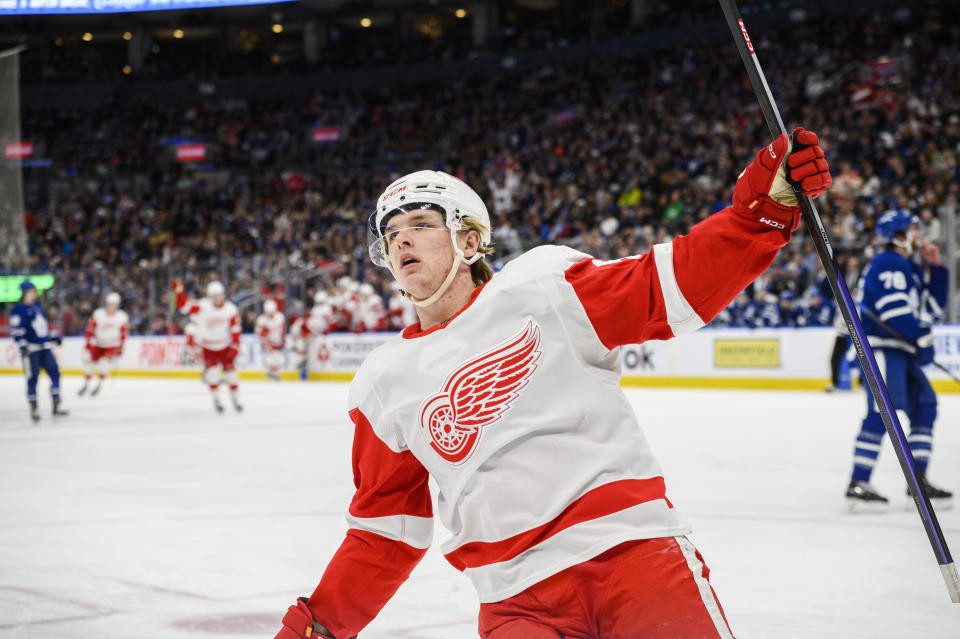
(906, 244)
(457, 258)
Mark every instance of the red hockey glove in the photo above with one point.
(298, 623)
(769, 179)
(807, 168)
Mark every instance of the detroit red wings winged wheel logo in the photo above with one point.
(477, 394)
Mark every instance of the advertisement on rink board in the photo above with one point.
(785, 359)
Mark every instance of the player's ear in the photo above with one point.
(469, 243)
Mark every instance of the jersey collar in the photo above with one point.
(414, 330)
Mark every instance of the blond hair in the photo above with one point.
(480, 271)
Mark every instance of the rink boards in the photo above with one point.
(774, 359)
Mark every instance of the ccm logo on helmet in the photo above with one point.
(773, 223)
(395, 191)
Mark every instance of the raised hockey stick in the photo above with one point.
(868, 362)
(898, 335)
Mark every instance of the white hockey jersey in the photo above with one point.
(217, 327)
(107, 330)
(514, 408)
(320, 320)
(402, 311)
(272, 328)
(371, 315)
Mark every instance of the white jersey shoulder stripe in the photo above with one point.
(680, 315)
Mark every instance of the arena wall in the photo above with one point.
(774, 359)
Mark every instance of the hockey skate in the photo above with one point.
(96, 389)
(237, 406)
(34, 413)
(217, 404)
(863, 498)
(940, 499)
(57, 410)
(83, 390)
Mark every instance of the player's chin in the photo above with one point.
(418, 285)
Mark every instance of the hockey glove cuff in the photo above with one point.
(751, 195)
(298, 623)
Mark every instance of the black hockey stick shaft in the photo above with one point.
(868, 362)
(898, 335)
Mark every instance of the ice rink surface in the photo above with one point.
(144, 514)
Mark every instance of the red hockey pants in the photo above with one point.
(644, 589)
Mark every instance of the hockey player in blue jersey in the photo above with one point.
(817, 311)
(908, 297)
(31, 332)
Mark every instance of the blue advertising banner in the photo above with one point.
(35, 7)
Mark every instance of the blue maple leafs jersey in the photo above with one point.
(29, 327)
(903, 295)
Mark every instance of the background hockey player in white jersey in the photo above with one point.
(321, 318)
(371, 315)
(345, 303)
(507, 394)
(193, 351)
(317, 320)
(218, 335)
(401, 311)
(271, 328)
(105, 335)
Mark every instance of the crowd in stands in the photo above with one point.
(610, 157)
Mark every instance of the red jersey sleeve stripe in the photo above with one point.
(599, 502)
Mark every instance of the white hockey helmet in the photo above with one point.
(455, 199)
(434, 190)
(320, 297)
(113, 299)
(367, 289)
(269, 307)
(215, 288)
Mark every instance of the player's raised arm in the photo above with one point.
(391, 526)
(680, 286)
(185, 305)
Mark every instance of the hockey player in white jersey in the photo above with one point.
(506, 393)
(192, 351)
(401, 311)
(272, 331)
(217, 334)
(371, 315)
(105, 335)
(321, 318)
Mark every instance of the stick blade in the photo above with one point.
(952, 577)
